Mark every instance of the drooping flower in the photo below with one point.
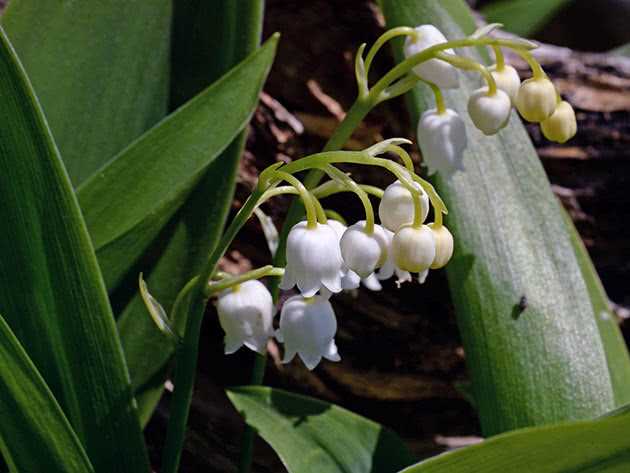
(443, 246)
(536, 99)
(246, 314)
(507, 79)
(561, 126)
(489, 112)
(389, 268)
(396, 207)
(349, 279)
(313, 259)
(308, 327)
(363, 252)
(414, 248)
(442, 140)
(439, 72)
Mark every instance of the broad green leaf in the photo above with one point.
(601, 446)
(130, 199)
(522, 17)
(547, 363)
(34, 433)
(199, 224)
(617, 354)
(100, 69)
(313, 436)
(52, 294)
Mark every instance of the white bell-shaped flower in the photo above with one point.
(363, 252)
(439, 72)
(443, 246)
(561, 126)
(390, 268)
(246, 314)
(308, 327)
(442, 140)
(507, 79)
(396, 207)
(536, 99)
(313, 259)
(414, 248)
(489, 113)
(349, 279)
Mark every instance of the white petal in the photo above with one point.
(231, 345)
(331, 352)
(371, 282)
(310, 360)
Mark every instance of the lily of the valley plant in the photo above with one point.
(323, 255)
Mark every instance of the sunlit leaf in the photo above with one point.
(100, 69)
(313, 436)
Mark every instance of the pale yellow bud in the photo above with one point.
(413, 248)
(536, 99)
(443, 246)
(561, 126)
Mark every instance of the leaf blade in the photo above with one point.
(80, 68)
(313, 436)
(32, 418)
(55, 300)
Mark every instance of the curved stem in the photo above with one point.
(232, 281)
(343, 178)
(305, 195)
(404, 156)
(500, 59)
(440, 104)
(321, 213)
(333, 187)
(469, 64)
(537, 70)
(336, 216)
(384, 38)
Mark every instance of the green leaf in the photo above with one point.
(617, 354)
(600, 446)
(100, 69)
(522, 17)
(128, 201)
(544, 364)
(34, 433)
(52, 294)
(196, 227)
(314, 436)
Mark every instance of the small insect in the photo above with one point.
(520, 307)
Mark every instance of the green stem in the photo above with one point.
(186, 355)
(469, 64)
(440, 104)
(336, 216)
(384, 38)
(343, 178)
(305, 195)
(500, 59)
(229, 282)
(537, 70)
(249, 434)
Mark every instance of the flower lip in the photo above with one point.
(245, 315)
(307, 328)
(439, 72)
(313, 259)
(363, 252)
(442, 139)
(396, 207)
(489, 113)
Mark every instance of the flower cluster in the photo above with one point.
(441, 131)
(324, 256)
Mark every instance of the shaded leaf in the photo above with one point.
(34, 433)
(314, 436)
(544, 364)
(128, 201)
(522, 17)
(99, 68)
(600, 446)
(52, 293)
(198, 225)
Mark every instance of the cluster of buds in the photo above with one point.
(441, 131)
(324, 256)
